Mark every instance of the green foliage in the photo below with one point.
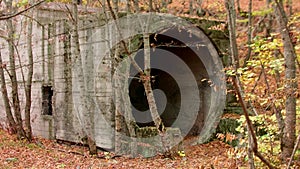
(136, 42)
(256, 13)
(13, 159)
(32, 146)
(61, 165)
(84, 2)
(267, 138)
(262, 12)
(267, 63)
(226, 131)
(164, 10)
(263, 83)
(21, 3)
(228, 125)
(264, 49)
(230, 72)
(242, 20)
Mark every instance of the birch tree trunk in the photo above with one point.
(146, 80)
(231, 16)
(13, 74)
(289, 131)
(145, 77)
(29, 77)
(9, 115)
(86, 108)
(253, 146)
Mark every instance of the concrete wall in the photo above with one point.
(55, 66)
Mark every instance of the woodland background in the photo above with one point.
(265, 50)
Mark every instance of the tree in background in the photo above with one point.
(11, 71)
(12, 101)
(87, 108)
(289, 131)
(267, 58)
(145, 76)
(28, 81)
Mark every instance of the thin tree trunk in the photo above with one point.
(146, 79)
(147, 83)
(276, 111)
(294, 151)
(88, 125)
(269, 22)
(13, 76)
(29, 79)
(116, 7)
(129, 119)
(145, 76)
(199, 10)
(236, 82)
(164, 4)
(9, 115)
(289, 132)
(250, 151)
(128, 6)
(254, 146)
(250, 140)
(231, 16)
(239, 6)
(123, 115)
(118, 118)
(249, 33)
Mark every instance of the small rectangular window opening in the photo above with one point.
(47, 94)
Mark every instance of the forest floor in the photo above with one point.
(43, 153)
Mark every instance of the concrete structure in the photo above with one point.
(192, 99)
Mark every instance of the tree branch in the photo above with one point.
(135, 65)
(249, 123)
(8, 16)
(294, 150)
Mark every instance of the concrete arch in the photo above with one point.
(198, 54)
(200, 78)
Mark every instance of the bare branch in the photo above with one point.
(8, 16)
(238, 89)
(294, 150)
(135, 65)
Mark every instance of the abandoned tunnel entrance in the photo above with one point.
(180, 82)
(188, 79)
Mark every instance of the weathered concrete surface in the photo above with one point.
(200, 102)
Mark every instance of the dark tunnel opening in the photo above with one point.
(167, 91)
(167, 101)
